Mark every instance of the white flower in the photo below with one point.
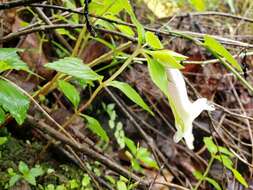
(183, 109)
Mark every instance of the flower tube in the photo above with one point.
(183, 109)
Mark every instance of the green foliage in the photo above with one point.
(3, 140)
(218, 49)
(158, 74)
(121, 185)
(96, 128)
(2, 116)
(70, 92)
(131, 94)
(119, 133)
(168, 58)
(139, 155)
(223, 155)
(74, 67)
(24, 173)
(124, 184)
(214, 149)
(9, 59)
(153, 41)
(199, 176)
(199, 5)
(13, 101)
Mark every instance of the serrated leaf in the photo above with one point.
(216, 46)
(131, 94)
(239, 177)
(74, 67)
(13, 101)
(23, 168)
(70, 92)
(153, 41)
(213, 182)
(96, 128)
(2, 116)
(167, 58)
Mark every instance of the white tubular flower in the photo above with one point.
(183, 109)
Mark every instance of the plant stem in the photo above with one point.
(205, 174)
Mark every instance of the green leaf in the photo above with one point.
(14, 179)
(131, 146)
(23, 168)
(126, 30)
(167, 58)
(225, 160)
(153, 41)
(144, 156)
(225, 151)
(198, 175)
(214, 149)
(131, 94)
(12, 100)
(50, 187)
(121, 185)
(63, 31)
(2, 116)
(213, 182)
(211, 147)
(199, 5)
(37, 171)
(74, 67)
(73, 184)
(30, 179)
(158, 74)
(216, 46)
(86, 180)
(70, 92)
(239, 177)
(3, 140)
(102, 7)
(96, 128)
(9, 59)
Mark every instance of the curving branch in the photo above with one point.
(18, 3)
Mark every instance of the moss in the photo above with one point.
(57, 172)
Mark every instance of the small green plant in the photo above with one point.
(224, 156)
(24, 173)
(139, 155)
(119, 133)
